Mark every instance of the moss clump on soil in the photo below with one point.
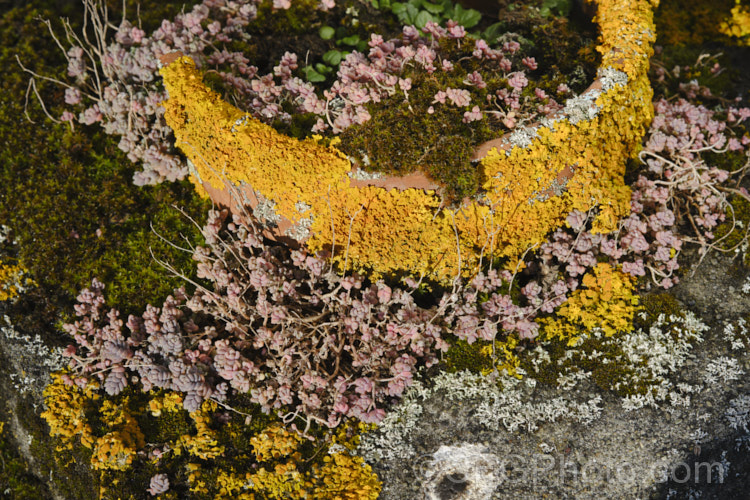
(608, 367)
(654, 305)
(442, 148)
(439, 143)
(296, 20)
(564, 47)
(682, 64)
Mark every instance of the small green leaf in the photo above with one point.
(350, 40)
(492, 33)
(312, 75)
(375, 3)
(422, 19)
(556, 7)
(362, 46)
(470, 18)
(432, 8)
(398, 8)
(333, 57)
(326, 32)
(322, 68)
(411, 14)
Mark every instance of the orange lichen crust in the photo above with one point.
(568, 164)
(117, 449)
(225, 143)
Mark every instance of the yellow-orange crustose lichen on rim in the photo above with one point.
(534, 177)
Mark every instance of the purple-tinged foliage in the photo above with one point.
(303, 338)
(282, 326)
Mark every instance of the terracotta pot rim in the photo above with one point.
(417, 179)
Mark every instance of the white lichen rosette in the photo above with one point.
(464, 471)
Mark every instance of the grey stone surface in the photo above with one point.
(652, 452)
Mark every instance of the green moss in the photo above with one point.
(654, 305)
(16, 480)
(444, 145)
(464, 356)
(686, 59)
(300, 125)
(609, 371)
(566, 53)
(691, 22)
(564, 47)
(731, 161)
(71, 202)
(734, 238)
(297, 19)
(77, 216)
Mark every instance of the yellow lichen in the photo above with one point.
(280, 481)
(13, 280)
(195, 475)
(348, 434)
(339, 476)
(114, 451)
(234, 486)
(381, 231)
(344, 477)
(605, 300)
(65, 413)
(504, 356)
(204, 443)
(276, 448)
(738, 25)
(117, 448)
(275, 442)
(170, 402)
